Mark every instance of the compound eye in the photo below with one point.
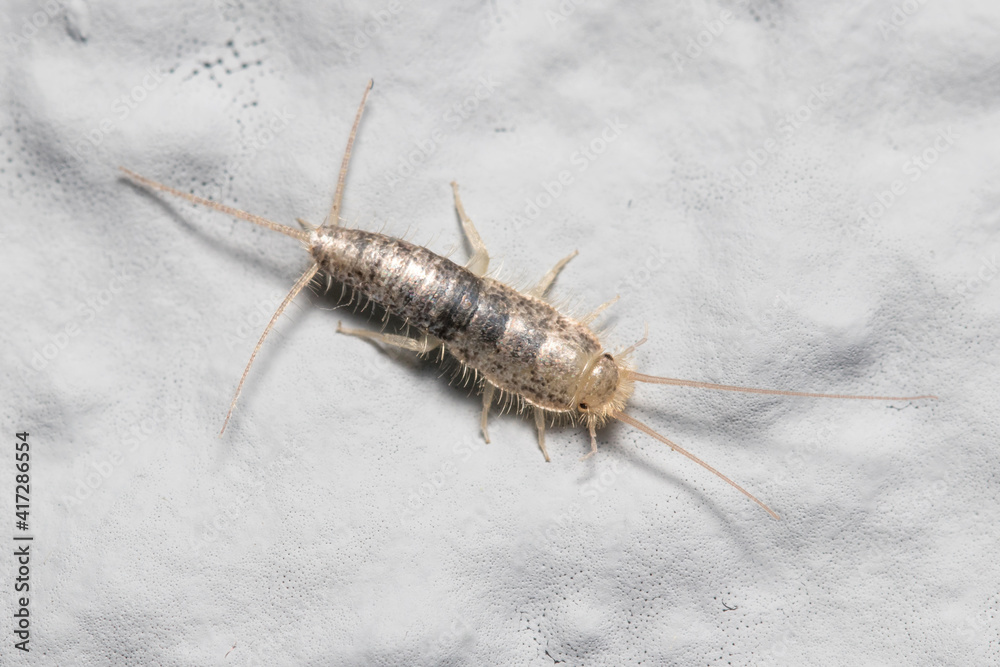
(583, 406)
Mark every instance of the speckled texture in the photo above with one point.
(519, 343)
(352, 515)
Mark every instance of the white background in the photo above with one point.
(352, 514)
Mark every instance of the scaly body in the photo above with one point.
(515, 341)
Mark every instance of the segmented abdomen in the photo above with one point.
(520, 343)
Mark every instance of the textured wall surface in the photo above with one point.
(791, 195)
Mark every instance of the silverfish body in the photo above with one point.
(515, 341)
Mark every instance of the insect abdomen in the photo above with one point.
(431, 292)
(520, 343)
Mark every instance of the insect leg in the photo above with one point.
(479, 263)
(593, 443)
(545, 283)
(420, 345)
(333, 219)
(488, 389)
(600, 309)
(540, 424)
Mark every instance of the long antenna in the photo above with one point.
(229, 210)
(302, 282)
(635, 423)
(640, 377)
(333, 218)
